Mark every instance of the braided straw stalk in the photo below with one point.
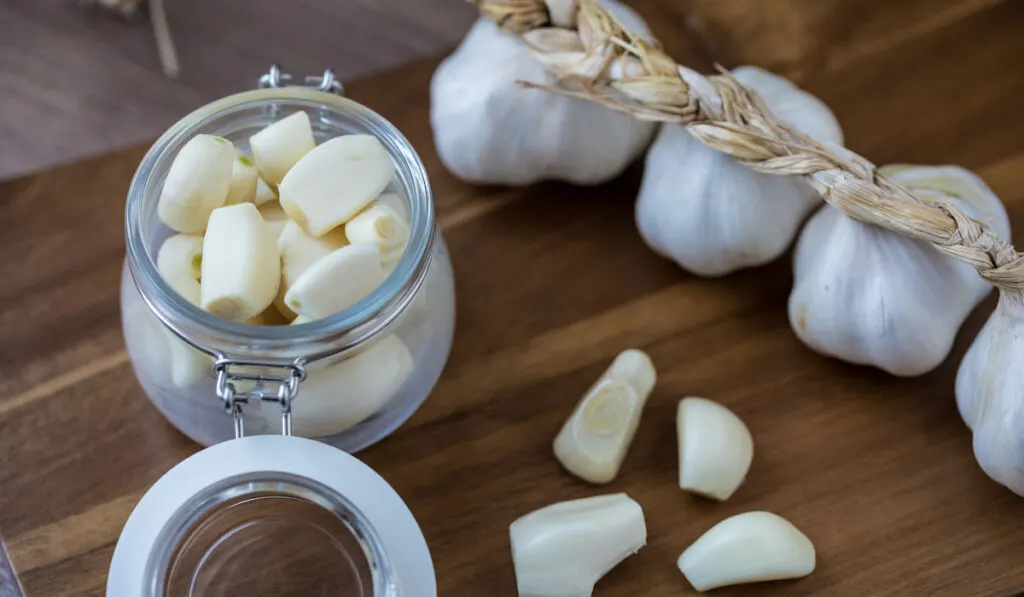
(597, 59)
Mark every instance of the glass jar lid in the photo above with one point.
(271, 515)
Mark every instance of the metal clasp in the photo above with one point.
(326, 82)
(281, 389)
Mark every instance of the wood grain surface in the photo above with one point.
(78, 81)
(552, 282)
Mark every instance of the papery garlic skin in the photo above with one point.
(564, 549)
(594, 440)
(746, 548)
(488, 129)
(715, 448)
(711, 214)
(990, 395)
(872, 297)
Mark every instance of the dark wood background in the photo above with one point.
(552, 282)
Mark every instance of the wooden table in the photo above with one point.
(552, 282)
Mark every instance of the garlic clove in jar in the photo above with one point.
(339, 396)
(336, 282)
(746, 548)
(489, 129)
(264, 193)
(187, 364)
(562, 550)
(180, 255)
(593, 442)
(275, 218)
(281, 145)
(713, 215)
(715, 448)
(335, 181)
(197, 183)
(244, 177)
(872, 297)
(382, 226)
(241, 267)
(298, 251)
(990, 396)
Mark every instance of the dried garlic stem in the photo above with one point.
(731, 118)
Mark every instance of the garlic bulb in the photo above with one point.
(488, 129)
(713, 215)
(990, 396)
(873, 297)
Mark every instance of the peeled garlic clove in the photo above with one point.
(396, 204)
(990, 396)
(301, 319)
(244, 179)
(197, 183)
(180, 255)
(241, 267)
(187, 364)
(746, 548)
(336, 282)
(593, 442)
(381, 226)
(275, 219)
(564, 549)
(298, 251)
(713, 215)
(340, 396)
(279, 146)
(715, 448)
(489, 129)
(264, 194)
(332, 183)
(872, 297)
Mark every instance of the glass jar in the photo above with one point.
(358, 374)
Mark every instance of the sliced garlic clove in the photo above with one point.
(275, 218)
(715, 448)
(333, 182)
(280, 146)
(264, 194)
(197, 183)
(340, 396)
(244, 179)
(336, 282)
(180, 255)
(381, 226)
(746, 548)
(564, 549)
(593, 442)
(241, 267)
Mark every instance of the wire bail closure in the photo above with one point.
(281, 389)
(326, 82)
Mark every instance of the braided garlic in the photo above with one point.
(729, 117)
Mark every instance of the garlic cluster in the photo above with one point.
(990, 396)
(488, 129)
(870, 296)
(713, 215)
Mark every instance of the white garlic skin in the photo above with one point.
(872, 297)
(713, 215)
(488, 129)
(990, 395)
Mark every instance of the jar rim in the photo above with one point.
(308, 341)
